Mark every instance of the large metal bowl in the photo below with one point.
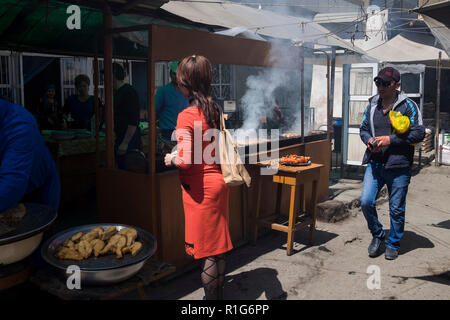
(26, 235)
(102, 270)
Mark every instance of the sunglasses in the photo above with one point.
(379, 82)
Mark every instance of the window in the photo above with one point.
(70, 68)
(356, 112)
(222, 84)
(361, 81)
(5, 83)
(11, 76)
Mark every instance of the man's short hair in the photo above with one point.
(82, 78)
(118, 71)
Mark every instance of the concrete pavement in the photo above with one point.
(337, 266)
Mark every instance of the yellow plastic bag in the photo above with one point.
(399, 122)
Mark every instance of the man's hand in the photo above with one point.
(383, 141)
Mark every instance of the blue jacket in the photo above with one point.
(400, 152)
(27, 169)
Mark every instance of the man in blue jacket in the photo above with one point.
(27, 170)
(389, 158)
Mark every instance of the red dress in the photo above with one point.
(205, 193)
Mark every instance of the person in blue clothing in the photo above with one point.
(169, 102)
(81, 106)
(389, 158)
(27, 170)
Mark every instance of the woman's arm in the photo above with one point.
(185, 143)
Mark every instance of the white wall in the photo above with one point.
(319, 94)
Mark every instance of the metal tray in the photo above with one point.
(296, 165)
(37, 219)
(101, 263)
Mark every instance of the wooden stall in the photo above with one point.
(153, 201)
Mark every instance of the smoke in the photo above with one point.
(278, 85)
(259, 98)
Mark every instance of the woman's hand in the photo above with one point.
(168, 159)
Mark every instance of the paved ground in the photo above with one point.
(336, 266)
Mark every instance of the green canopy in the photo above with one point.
(40, 26)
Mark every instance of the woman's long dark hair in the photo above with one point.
(195, 74)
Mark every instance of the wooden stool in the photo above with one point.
(296, 178)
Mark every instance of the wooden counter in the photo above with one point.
(125, 197)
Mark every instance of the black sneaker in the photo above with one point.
(391, 254)
(374, 247)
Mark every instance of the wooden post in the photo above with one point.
(155, 195)
(109, 117)
(96, 106)
(151, 109)
(438, 100)
(302, 90)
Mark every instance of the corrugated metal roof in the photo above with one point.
(267, 23)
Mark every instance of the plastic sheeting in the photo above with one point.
(440, 31)
(241, 32)
(263, 22)
(408, 68)
(400, 49)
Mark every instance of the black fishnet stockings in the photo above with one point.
(213, 276)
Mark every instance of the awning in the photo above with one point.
(438, 10)
(400, 49)
(34, 26)
(267, 23)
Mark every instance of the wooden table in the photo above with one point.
(301, 214)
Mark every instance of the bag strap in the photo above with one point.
(222, 122)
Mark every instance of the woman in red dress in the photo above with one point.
(205, 193)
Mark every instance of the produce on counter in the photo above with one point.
(294, 159)
(99, 241)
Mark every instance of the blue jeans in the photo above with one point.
(397, 181)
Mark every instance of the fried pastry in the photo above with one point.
(108, 233)
(97, 246)
(84, 248)
(77, 237)
(99, 241)
(133, 249)
(111, 245)
(69, 244)
(69, 254)
(130, 234)
(119, 246)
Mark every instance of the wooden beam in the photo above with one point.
(96, 106)
(130, 5)
(109, 118)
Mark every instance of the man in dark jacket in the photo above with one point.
(389, 158)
